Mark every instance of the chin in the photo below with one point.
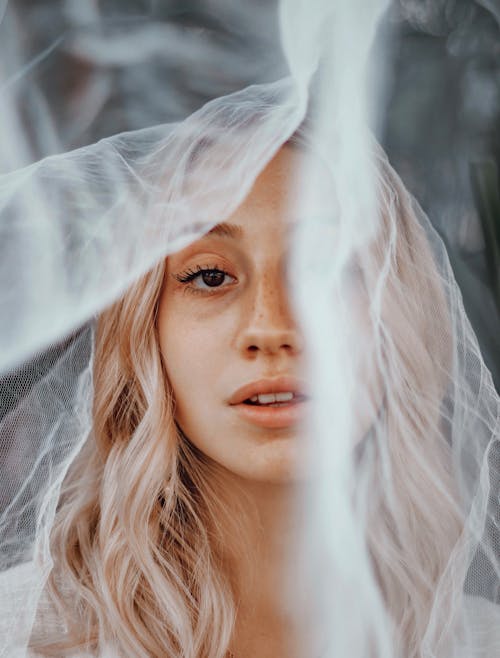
(288, 467)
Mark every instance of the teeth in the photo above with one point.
(283, 397)
(269, 398)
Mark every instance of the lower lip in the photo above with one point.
(273, 417)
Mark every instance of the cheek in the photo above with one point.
(179, 347)
(192, 361)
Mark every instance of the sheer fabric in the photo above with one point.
(401, 534)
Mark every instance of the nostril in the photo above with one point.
(272, 341)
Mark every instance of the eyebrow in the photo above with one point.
(226, 230)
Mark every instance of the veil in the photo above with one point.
(400, 535)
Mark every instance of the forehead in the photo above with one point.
(294, 187)
(282, 194)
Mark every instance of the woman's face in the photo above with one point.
(232, 348)
(228, 334)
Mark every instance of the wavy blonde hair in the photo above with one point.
(139, 560)
(136, 539)
(415, 532)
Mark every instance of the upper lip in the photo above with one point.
(271, 385)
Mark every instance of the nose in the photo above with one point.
(269, 326)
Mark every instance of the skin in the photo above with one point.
(213, 341)
(216, 339)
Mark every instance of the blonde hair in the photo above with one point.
(416, 523)
(137, 552)
(135, 541)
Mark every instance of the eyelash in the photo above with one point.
(190, 275)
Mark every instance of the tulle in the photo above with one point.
(401, 531)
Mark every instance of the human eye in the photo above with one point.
(204, 279)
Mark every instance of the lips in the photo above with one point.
(275, 385)
(274, 415)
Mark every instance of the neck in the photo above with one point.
(258, 530)
(261, 542)
(270, 529)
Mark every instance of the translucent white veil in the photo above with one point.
(401, 534)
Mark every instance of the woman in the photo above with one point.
(179, 517)
(355, 518)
